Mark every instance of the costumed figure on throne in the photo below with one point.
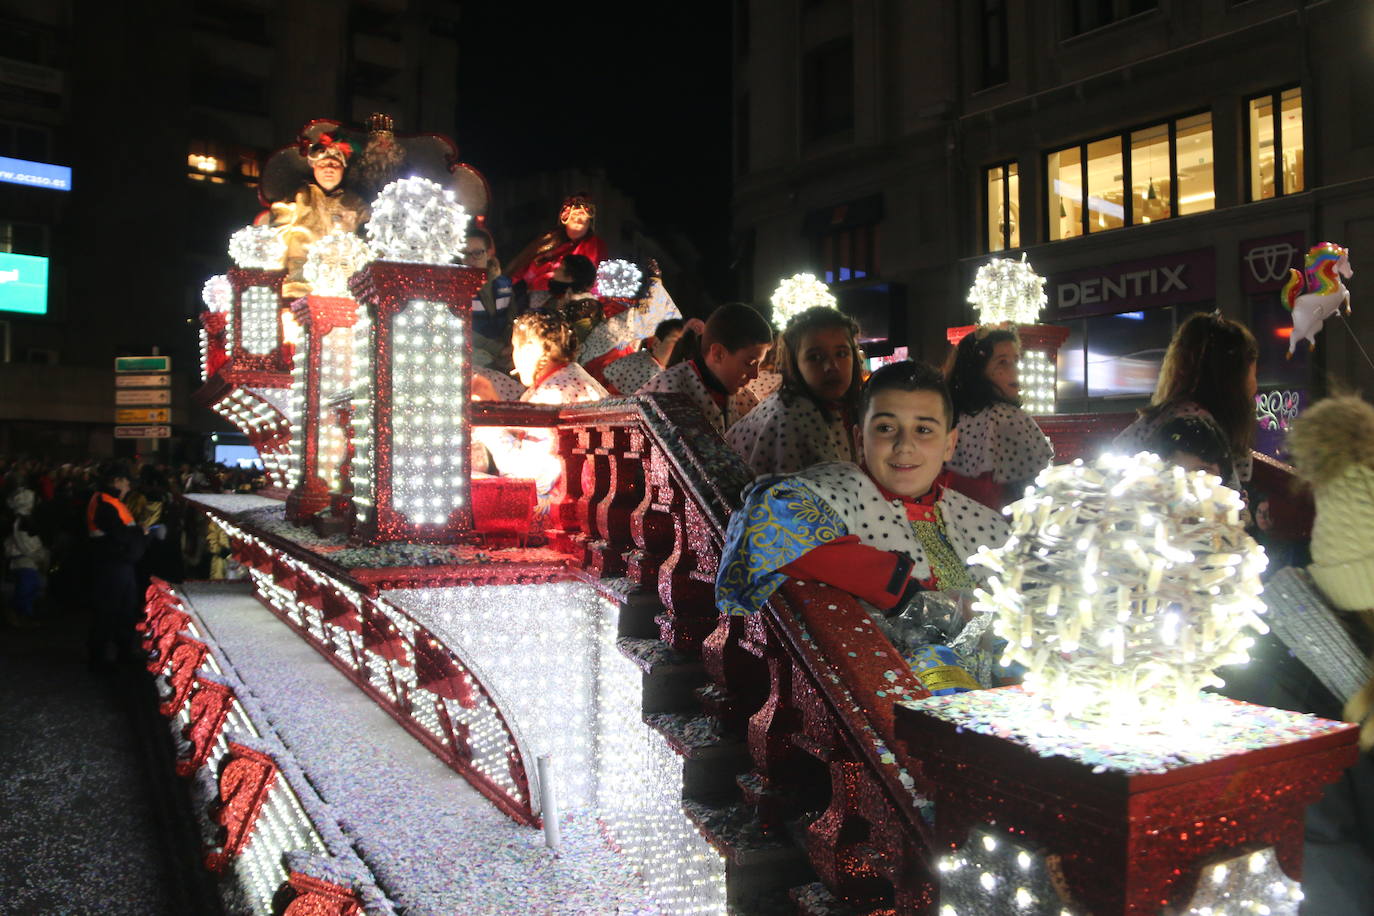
(535, 264)
(320, 206)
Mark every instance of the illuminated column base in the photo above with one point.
(1040, 345)
(256, 339)
(411, 428)
(318, 317)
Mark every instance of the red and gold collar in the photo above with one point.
(918, 508)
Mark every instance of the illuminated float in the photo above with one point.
(582, 680)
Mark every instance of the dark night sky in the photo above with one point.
(643, 92)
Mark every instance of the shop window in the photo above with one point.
(1167, 168)
(828, 89)
(1115, 357)
(1003, 225)
(1275, 148)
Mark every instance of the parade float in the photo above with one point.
(628, 748)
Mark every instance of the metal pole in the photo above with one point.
(548, 804)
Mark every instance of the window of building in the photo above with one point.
(218, 163)
(1166, 167)
(23, 238)
(992, 43)
(1086, 15)
(1002, 216)
(24, 141)
(742, 134)
(828, 89)
(1275, 148)
(844, 239)
(1116, 356)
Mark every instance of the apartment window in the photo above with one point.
(992, 42)
(1275, 144)
(1130, 179)
(844, 239)
(828, 89)
(23, 141)
(742, 135)
(218, 163)
(1002, 216)
(23, 238)
(1086, 15)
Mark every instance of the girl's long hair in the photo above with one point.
(966, 371)
(1207, 363)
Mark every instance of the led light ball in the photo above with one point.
(617, 279)
(798, 293)
(417, 221)
(217, 293)
(332, 260)
(1005, 290)
(1124, 583)
(257, 247)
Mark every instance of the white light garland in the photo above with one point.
(1036, 374)
(1123, 585)
(332, 260)
(618, 279)
(260, 331)
(1005, 290)
(418, 221)
(217, 293)
(257, 247)
(798, 293)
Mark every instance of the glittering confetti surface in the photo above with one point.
(1219, 728)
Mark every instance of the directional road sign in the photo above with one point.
(143, 396)
(143, 381)
(143, 364)
(143, 415)
(143, 432)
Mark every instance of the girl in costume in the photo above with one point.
(810, 419)
(1000, 449)
(543, 348)
(1208, 372)
(713, 368)
(884, 530)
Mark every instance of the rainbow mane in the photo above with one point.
(1321, 268)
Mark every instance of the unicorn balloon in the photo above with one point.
(1327, 263)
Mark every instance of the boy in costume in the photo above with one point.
(884, 530)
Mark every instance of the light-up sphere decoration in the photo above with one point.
(332, 260)
(798, 293)
(617, 278)
(417, 221)
(1036, 374)
(257, 248)
(1124, 583)
(217, 293)
(1006, 290)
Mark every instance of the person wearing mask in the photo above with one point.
(631, 373)
(713, 367)
(1001, 448)
(1209, 372)
(571, 295)
(811, 418)
(533, 267)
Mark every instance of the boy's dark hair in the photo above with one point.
(733, 325)
(668, 326)
(581, 271)
(907, 375)
(477, 232)
(1195, 436)
(966, 370)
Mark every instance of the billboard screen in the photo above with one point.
(35, 174)
(23, 283)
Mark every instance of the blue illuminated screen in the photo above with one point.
(23, 283)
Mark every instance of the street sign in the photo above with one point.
(143, 364)
(143, 432)
(143, 396)
(143, 415)
(143, 381)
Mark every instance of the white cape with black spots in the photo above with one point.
(507, 388)
(631, 373)
(882, 523)
(1002, 439)
(789, 433)
(1140, 435)
(683, 379)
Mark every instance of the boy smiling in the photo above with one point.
(882, 530)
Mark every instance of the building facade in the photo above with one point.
(1151, 158)
(165, 112)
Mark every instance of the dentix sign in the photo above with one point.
(1189, 276)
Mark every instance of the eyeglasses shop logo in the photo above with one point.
(1270, 263)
